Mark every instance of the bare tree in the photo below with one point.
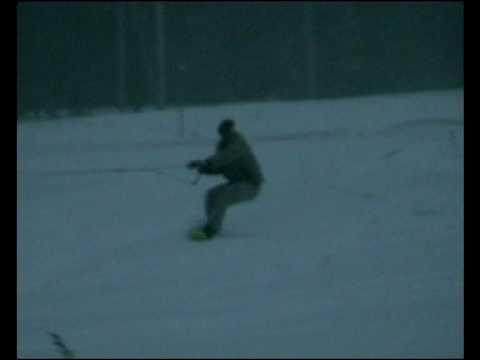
(122, 92)
(310, 49)
(161, 89)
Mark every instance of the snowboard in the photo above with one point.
(197, 234)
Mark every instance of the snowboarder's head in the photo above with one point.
(226, 127)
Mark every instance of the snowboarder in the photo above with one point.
(235, 160)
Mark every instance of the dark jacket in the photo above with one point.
(235, 160)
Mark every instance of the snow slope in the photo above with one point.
(353, 249)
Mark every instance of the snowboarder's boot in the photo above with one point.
(202, 233)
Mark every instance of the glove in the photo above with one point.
(206, 168)
(195, 164)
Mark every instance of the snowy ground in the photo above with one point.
(354, 248)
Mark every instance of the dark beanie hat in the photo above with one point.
(226, 126)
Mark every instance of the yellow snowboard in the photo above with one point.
(197, 234)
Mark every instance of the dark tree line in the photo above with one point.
(83, 55)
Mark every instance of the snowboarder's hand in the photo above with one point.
(206, 168)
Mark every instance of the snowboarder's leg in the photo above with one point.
(211, 198)
(215, 208)
(219, 198)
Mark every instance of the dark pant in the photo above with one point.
(220, 197)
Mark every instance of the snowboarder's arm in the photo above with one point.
(215, 164)
(208, 169)
(202, 166)
(195, 164)
(230, 153)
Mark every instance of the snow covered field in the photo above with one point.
(353, 249)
